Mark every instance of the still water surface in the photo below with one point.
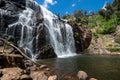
(100, 67)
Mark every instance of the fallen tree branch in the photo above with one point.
(23, 54)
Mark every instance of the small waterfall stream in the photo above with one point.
(27, 22)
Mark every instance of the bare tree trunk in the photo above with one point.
(23, 54)
(4, 47)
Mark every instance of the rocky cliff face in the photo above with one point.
(82, 37)
(23, 19)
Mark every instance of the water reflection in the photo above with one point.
(100, 67)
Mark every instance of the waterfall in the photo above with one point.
(26, 32)
(28, 28)
(60, 34)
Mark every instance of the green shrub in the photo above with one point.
(114, 49)
(117, 40)
(95, 34)
(107, 27)
(108, 30)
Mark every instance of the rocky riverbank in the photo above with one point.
(38, 72)
(105, 44)
(14, 67)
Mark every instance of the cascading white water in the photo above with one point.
(27, 20)
(60, 34)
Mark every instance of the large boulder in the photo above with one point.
(14, 73)
(82, 75)
(46, 51)
(11, 74)
(54, 77)
(39, 75)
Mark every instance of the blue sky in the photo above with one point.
(69, 6)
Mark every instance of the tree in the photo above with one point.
(116, 4)
(102, 12)
(116, 8)
(106, 13)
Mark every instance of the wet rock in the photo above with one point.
(82, 75)
(1, 73)
(2, 3)
(1, 43)
(43, 66)
(27, 70)
(47, 69)
(54, 77)
(11, 60)
(33, 68)
(39, 76)
(46, 51)
(69, 77)
(25, 77)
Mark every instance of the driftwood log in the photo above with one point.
(15, 47)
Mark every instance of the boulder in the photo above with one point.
(11, 74)
(43, 66)
(25, 77)
(46, 51)
(54, 77)
(38, 75)
(82, 75)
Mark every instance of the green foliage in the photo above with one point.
(76, 34)
(103, 23)
(95, 34)
(114, 49)
(102, 12)
(117, 40)
(107, 27)
(68, 16)
(106, 13)
(94, 21)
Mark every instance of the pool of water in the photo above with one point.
(100, 67)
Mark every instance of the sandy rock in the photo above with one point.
(34, 68)
(38, 76)
(43, 66)
(82, 75)
(54, 77)
(11, 73)
(47, 69)
(92, 79)
(25, 77)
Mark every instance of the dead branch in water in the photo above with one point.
(23, 54)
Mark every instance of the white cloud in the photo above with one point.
(73, 5)
(104, 6)
(51, 2)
